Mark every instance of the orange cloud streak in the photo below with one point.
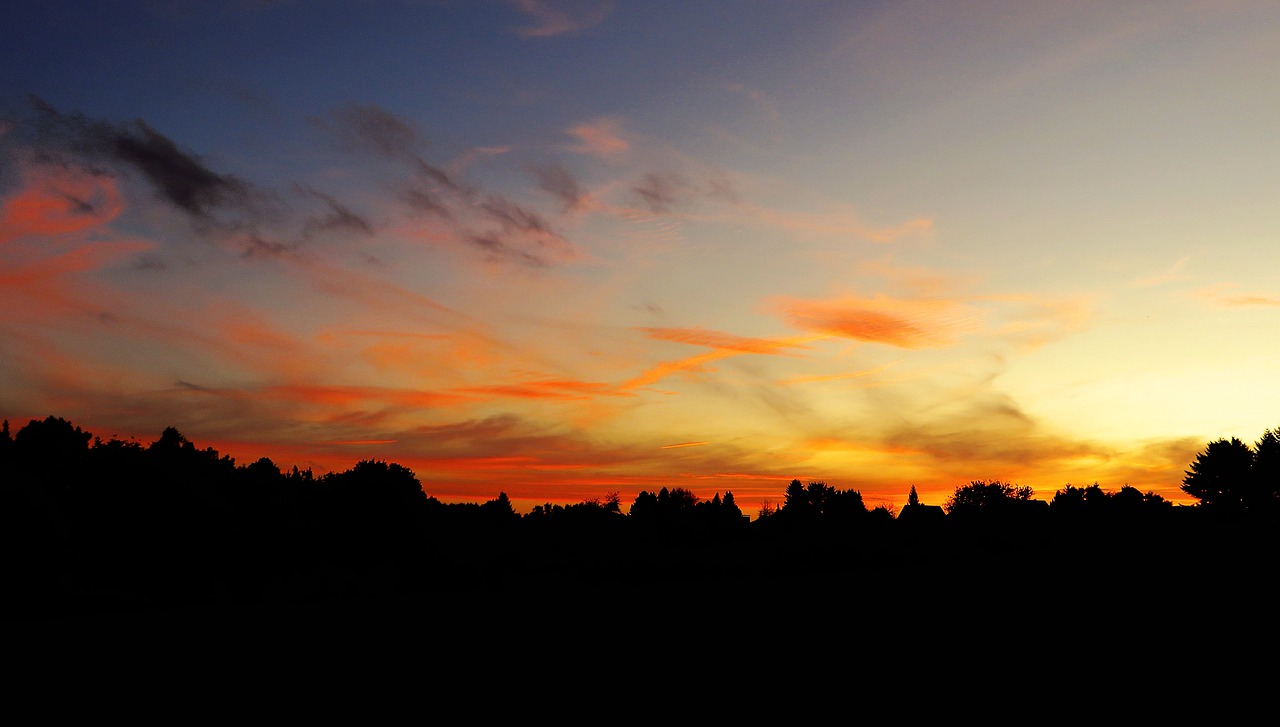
(665, 369)
(896, 322)
(563, 389)
(351, 395)
(727, 341)
(725, 345)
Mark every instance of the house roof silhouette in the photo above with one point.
(921, 514)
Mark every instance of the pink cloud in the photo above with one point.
(602, 138)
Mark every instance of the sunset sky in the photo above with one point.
(562, 249)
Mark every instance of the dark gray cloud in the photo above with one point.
(370, 128)
(430, 189)
(433, 190)
(258, 246)
(150, 262)
(512, 216)
(498, 249)
(719, 187)
(178, 177)
(425, 200)
(557, 181)
(659, 193)
(336, 217)
(81, 206)
(437, 176)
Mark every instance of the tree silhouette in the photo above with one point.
(985, 495)
(718, 512)
(667, 506)
(1221, 476)
(1266, 471)
(499, 510)
(87, 524)
(821, 504)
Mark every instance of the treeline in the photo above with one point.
(90, 525)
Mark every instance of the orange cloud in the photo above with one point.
(905, 323)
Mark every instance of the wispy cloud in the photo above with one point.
(1220, 295)
(602, 138)
(1242, 301)
(836, 222)
(1031, 321)
(1173, 273)
(345, 396)
(501, 228)
(550, 18)
(544, 389)
(841, 376)
(765, 104)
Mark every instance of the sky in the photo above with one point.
(560, 250)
